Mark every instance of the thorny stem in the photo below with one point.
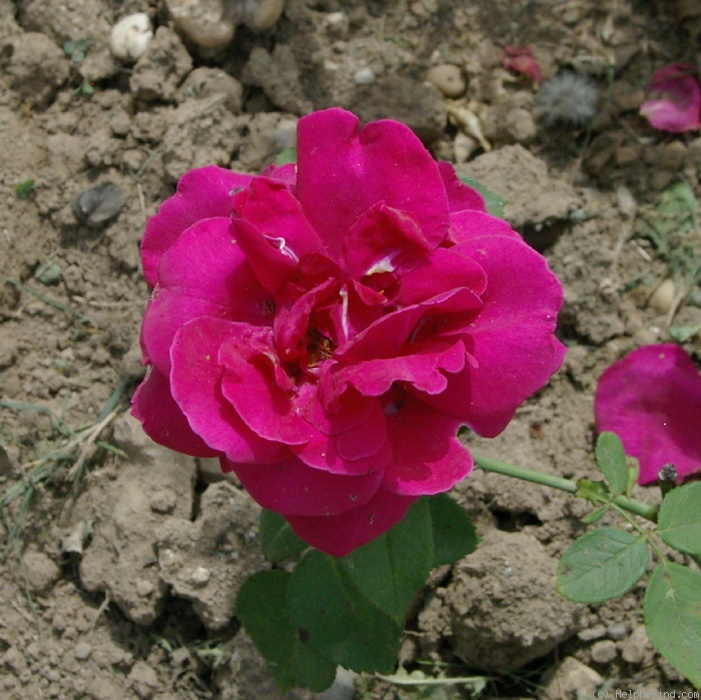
(644, 510)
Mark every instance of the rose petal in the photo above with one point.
(677, 107)
(342, 171)
(460, 195)
(162, 419)
(273, 209)
(339, 535)
(292, 488)
(249, 383)
(468, 224)
(651, 399)
(202, 193)
(445, 269)
(511, 338)
(427, 456)
(423, 365)
(196, 377)
(383, 239)
(204, 273)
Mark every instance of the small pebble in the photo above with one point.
(204, 23)
(82, 651)
(364, 76)
(98, 205)
(131, 37)
(663, 296)
(617, 631)
(604, 652)
(265, 13)
(200, 576)
(144, 588)
(596, 632)
(448, 79)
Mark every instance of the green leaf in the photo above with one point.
(611, 458)
(633, 472)
(595, 515)
(24, 189)
(602, 564)
(393, 568)
(495, 204)
(679, 521)
(593, 491)
(672, 613)
(261, 605)
(337, 621)
(289, 155)
(454, 533)
(277, 538)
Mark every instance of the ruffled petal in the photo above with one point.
(251, 382)
(162, 418)
(423, 365)
(339, 535)
(460, 196)
(342, 171)
(196, 387)
(273, 209)
(383, 240)
(427, 456)
(202, 193)
(445, 269)
(292, 488)
(204, 273)
(651, 399)
(511, 339)
(468, 224)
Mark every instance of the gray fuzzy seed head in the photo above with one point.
(567, 98)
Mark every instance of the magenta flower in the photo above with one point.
(325, 328)
(676, 102)
(651, 399)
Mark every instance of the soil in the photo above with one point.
(123, 559)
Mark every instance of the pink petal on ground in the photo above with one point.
(202, 193)
(427, 456)
(196, 386)
(343, 170)
(460, 195)
(204, 273)
(339, 535)
(511, 338)
(651, 399)
(383, 239)
(162, 418)
(293, 488)
(676, 104)
(249, 383)
(520, 59)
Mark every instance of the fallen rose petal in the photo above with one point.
(520, 59)
(675, 103)
(651, 399)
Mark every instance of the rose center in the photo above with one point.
(319, 347)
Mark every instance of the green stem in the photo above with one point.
(644, 510)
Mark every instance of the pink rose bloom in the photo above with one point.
(676, 104)
(325, 328)
(521, 59)
(651, 399)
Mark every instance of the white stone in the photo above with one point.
(364, 76)
(131, 36)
